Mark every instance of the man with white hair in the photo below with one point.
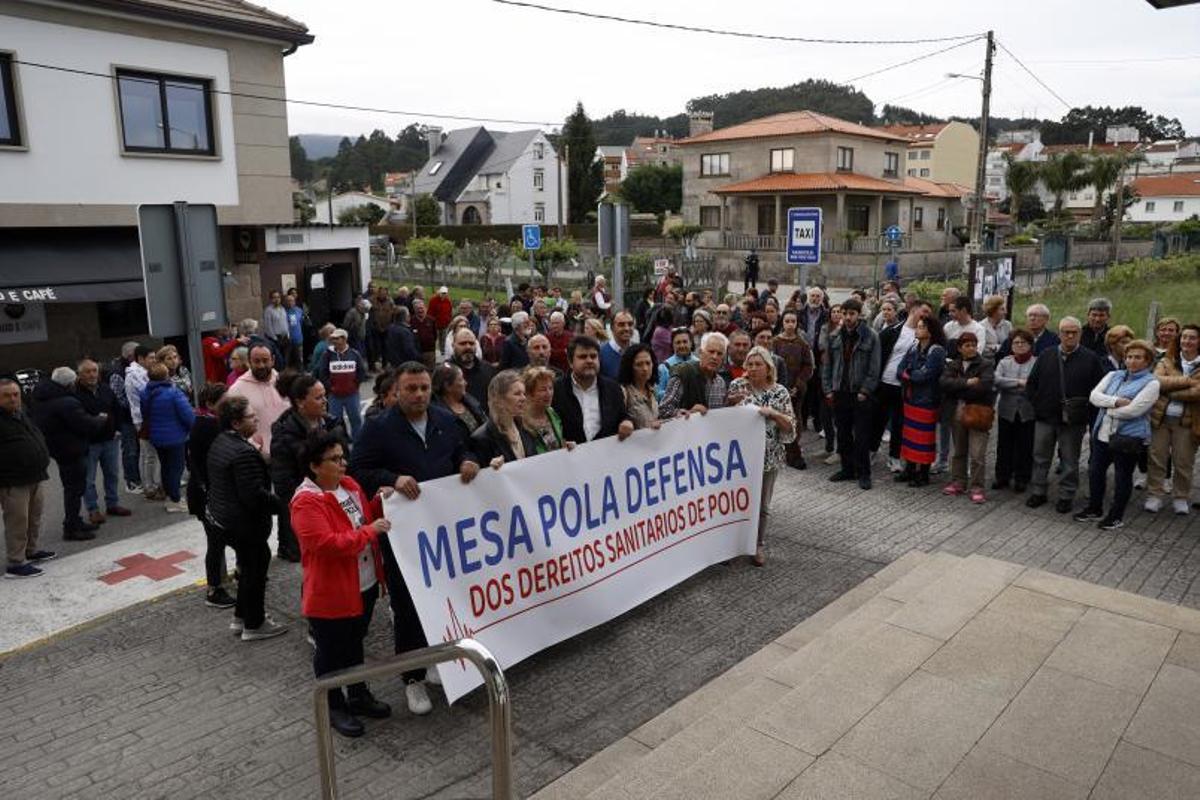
(559, 338)
(68, 430)
(810, 319)
(130, 449)
(514, 355)
(1037, 320)
(697, 386)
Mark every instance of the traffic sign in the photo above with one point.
(661, 266)
(893, 234)
(804, 236)
(531, 235)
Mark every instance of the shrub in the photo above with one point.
(931, 290)
(1019, 239)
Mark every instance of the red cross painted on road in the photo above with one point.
(156, 569)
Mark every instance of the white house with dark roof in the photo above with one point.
(482, 177)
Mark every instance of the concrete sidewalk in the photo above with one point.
(938, 677)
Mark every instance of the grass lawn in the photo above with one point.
(1131, 287)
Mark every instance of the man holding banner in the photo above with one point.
(407, 445)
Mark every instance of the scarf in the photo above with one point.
(1024, 358)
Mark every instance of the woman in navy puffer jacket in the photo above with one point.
(170, 418)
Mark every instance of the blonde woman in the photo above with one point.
(760, 389)
(501, 439)
(594, 327)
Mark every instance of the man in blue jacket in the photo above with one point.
(408, 444)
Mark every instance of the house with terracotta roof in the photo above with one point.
(941, 151)
(652, 150)
(1166, 198)
(738, 183)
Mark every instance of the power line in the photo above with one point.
(1040, 82)
(723, 32)
(905, 63)
(312, 103)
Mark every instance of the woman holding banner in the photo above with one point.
(540, 418)
(338, 532)
(773, 401)
(501, 439)
(636, 376)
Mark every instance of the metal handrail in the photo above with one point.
(499, 705)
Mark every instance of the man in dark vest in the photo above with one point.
(697, 386)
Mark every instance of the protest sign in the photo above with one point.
(547, 547)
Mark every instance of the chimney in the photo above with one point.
(433, 135)
(700, 123)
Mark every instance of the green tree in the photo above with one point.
(302, 168)
(1103, 173)
(654, 188)
(552, 253)
(365, 214)
(585, 176)
(303, 210)
(1021, 179)
(1063, 173)
(430, 250)
(487, 256)
(428, 212)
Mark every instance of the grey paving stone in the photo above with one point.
(1186, 652)
(835, 777)
(1119, 651)
(1168, 718)
(1063, 724)
(992, 654)
(748, 766)
(988, 775)
(922, 730)
(1135, 773)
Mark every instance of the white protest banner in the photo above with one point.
(547, 547)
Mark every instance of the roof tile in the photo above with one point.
(1178, 185)
(791, 123)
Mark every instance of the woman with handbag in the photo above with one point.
(920, 371)
(1175, 421)
(1014, 431)
(1120, 433)
(968, 387)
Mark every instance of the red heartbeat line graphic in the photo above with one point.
(457, 630)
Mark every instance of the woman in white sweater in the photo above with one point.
(1121, 432)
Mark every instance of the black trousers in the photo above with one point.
(287, 542)
(889, 416)
(1014, 451)
(74, 480)
(853, 418)
(406, 625)
(340, 645)
(249, 541)
(1123, 464)
(214, 554)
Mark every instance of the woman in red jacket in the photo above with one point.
(337, 529)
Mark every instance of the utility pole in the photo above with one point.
(1118, 215)
(981, 169)
(412, 199)
(558, 158)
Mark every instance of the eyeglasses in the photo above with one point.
(336, 459)
(1068, 332)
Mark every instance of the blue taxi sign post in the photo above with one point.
(804, 239)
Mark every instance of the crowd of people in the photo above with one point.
(276, 437)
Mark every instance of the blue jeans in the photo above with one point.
(103, 454)
(171, 459)
(130, 451)
(353, 408)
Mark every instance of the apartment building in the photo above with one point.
(943, 152)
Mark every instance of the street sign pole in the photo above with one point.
(183, 241)
(618, 267)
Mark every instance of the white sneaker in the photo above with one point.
(937, 469)
(820, 434)
(176, 508)
(268, 630)
(237, 626)
(887, 436)
(833, 458)
(895, 464)
(1181, 507)
(433, 677)
(1139, 481)
(1152, 504)
(418, 699)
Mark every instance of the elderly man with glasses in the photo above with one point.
(1059, 386)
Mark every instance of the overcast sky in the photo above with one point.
(482, 59)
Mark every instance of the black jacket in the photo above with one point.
(612, 408)
(204, 432)
(956, 374)
(399, 345)
(473, 406)
(887, 342)
(101, 400)
(288, 435)
(239, 485)
(513, 354)
(1044, 386)
(388, 446)
(68, 428)
(25, 456)
(487, 442)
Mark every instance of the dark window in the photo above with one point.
(891, 164)
(710, 216)
(165, 114)
(941, 219)
(918, 218)
(10, 128)
(120, 319)
(714, 164)
(845, 159)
